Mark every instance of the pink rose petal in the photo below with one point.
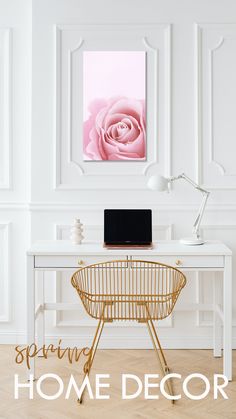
(115, 130)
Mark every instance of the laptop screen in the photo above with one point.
(127, 226)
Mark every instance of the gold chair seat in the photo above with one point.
(127, 288)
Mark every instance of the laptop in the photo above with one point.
(128, 228)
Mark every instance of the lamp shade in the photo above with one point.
(158, 183)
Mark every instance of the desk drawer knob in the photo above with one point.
(178, 262)
(80, 262)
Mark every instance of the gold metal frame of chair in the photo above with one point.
(137, 290)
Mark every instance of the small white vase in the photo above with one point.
(76, 232)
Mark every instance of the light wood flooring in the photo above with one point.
(116, 362)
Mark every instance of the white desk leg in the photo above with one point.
(40, 319)
(31, 307)
(217, 335)
(228, 317)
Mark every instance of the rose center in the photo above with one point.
(121, 127)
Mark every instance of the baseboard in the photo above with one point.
(116, 341)
(12, 338)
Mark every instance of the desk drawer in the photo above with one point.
(177, 261)
(71, 261)
(187, 261)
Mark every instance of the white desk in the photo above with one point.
(62, 255)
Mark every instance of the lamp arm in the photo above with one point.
(205, 193)
(198, 219)
(185, 177)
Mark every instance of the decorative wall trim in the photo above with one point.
(5, 110)
(218, 227)
(200, 321)
(92, 207)
(57, 107)
(166, 134)
(155, 52)
(15, 206)
(212, 51)
(211, 55)
(71, 206)
(115, 341)
(198, 88)
(168, 89)
(5, 279)
(198, 100)
(70, 89)
(198, 298)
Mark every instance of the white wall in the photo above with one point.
(15, 79)
(193, 98)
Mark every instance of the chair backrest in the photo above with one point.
(128, 290)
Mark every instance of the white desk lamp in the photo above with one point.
(160, 183)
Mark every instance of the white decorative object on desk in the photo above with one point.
(76, 232)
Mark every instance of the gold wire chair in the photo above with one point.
(128, 290)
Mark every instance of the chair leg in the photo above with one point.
(88, 364)
(159, 352)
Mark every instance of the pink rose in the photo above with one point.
(115, 130)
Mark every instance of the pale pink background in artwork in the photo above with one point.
(113, 73)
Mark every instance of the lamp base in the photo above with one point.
(191, 241)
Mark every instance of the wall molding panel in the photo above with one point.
(4, 273)
(44, 206)
(215, 86)
(5, 107)
(70, 171)
(72, 206)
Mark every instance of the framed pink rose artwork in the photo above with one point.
(114, 99)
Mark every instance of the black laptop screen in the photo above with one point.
(127, 226)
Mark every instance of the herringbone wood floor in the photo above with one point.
(116, 362)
